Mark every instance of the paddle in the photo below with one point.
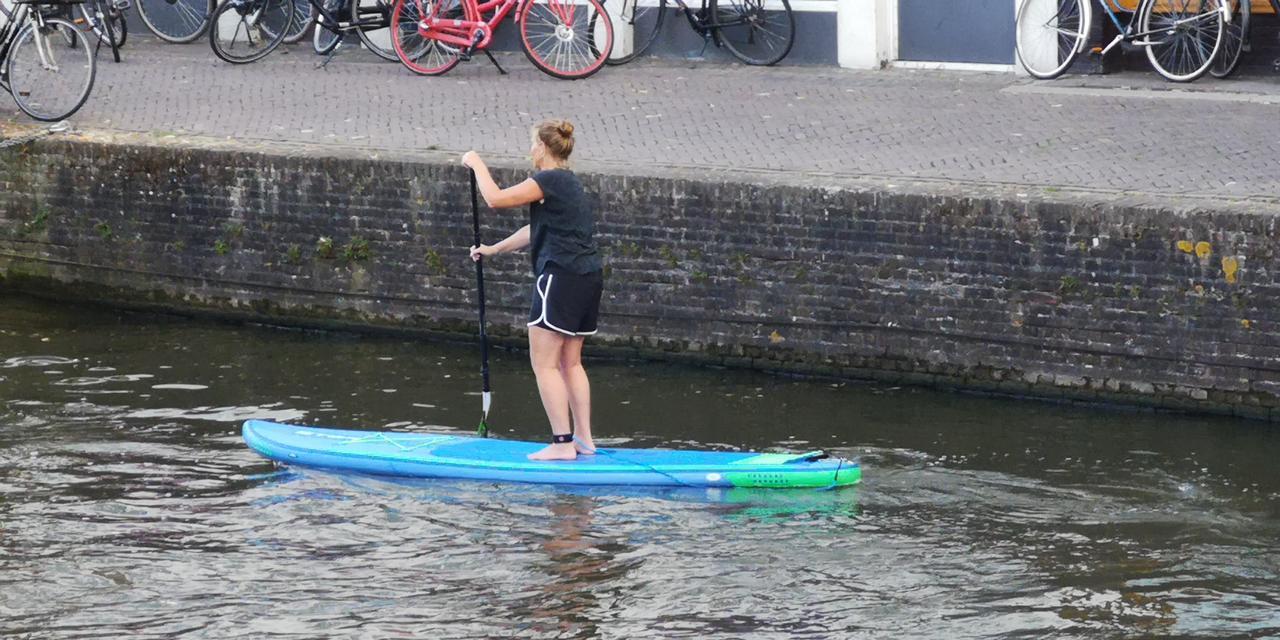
(483, 429)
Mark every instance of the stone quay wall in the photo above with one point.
(1076, 296)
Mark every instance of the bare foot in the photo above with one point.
(557, 451)
(584, 446)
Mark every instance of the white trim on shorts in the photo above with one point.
(544, 294)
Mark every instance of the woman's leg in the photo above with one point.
(545, 347)
(575, 379)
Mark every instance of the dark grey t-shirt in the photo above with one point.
(562, 226)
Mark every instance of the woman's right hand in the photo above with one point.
(481, 251)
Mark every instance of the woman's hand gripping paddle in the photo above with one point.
(483, 429)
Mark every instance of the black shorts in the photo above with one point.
(566, 302)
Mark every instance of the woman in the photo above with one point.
(567, 284)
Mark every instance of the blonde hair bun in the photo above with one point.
(557, 135)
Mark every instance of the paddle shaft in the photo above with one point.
(484, 338)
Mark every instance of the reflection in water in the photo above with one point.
(576, 565)
(129, 507)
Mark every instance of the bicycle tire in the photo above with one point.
(373, 37)
(642, 33)
(303, 12)
(593, 20)
(249, 15)
(176, 21)
(1233, 40)
(753, 13)
(1046, 51)
(419, 54)
(323, 39)
(304, 17)
(23, 84)
(111, 32)
(1200, 67)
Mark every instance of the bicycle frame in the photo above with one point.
(1127, 30)
(332, 23)
(19, 17)
(704, 23)
(15, 18)
(473, 31)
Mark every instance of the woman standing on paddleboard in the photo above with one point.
(567, 285)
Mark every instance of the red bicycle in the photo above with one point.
(568, 39)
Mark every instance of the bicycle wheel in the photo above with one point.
(377, 35)
(323, 39)
(645, 22)
(1049, 34)
(243, 31)
(1182, 36)
(58, 89)
(565, 39)
(118, 22)
(303, 13)
(753, 34)
(1233, 39)
(420, 54)
(176, 21)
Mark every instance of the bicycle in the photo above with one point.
(105, 18)
(736, 25)
(242, 31)
(369, 19)
(272, 18)
(1181, 37)
(49, 80)
(568, 39)
(1238, 38)
(176, 21)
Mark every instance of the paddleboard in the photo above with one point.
(450, 456)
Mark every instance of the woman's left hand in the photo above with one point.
(471, 160)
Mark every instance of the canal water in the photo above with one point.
(130, 508)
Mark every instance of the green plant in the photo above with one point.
(434, 262)
(104, 230)
(356, 251)
(1068, 285)
(36, 223)
(221, 247)
(293, 254)
(324, 247)
(670, 256)
(233, 229)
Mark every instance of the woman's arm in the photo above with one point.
(513, 242)
(495, 196)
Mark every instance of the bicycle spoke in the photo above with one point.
(752, 33)
(563, 38)
(50, 82)
(1182, 36)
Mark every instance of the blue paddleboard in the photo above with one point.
(448, 456)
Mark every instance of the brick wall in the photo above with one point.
(1045, 294)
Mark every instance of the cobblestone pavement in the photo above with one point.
(1127, 133)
